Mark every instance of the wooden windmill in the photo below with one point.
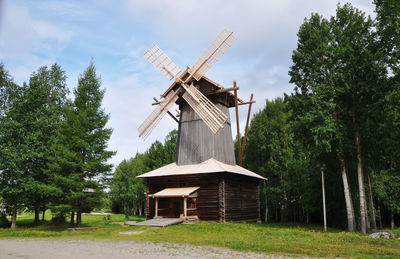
(213, 117)
(205, 173)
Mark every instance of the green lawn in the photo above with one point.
(266, 238)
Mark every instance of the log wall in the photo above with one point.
(206, 202)
(242, 201)
(221, 197)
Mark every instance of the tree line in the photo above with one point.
(127, 192)
(52, 149)
(344, 114)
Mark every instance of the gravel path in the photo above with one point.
(75, 249)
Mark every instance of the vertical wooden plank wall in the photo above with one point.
(197, 143)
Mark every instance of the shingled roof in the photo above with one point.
(209, 166)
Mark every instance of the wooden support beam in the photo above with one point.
(244, 103)
(156, 212)
(237, 123)
(247, 124)
(222, 90)
(169, 113)
(185, 207)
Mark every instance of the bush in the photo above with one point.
(4, 221)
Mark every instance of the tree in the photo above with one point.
(8, 90)
(12, 177)
(46, 95)
(274, 153)
(160, 154)
(315, 101)
(80, 164)
(128, 191)
(388, 30)
(126, 188)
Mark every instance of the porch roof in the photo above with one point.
(175, 192)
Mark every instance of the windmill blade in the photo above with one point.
(152, 120)
(213, 117)
(218, 47)
(161, 62)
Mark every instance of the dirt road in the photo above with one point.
(76, 249)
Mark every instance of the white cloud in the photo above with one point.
(129, 102)
(266, 31)
(27, 43)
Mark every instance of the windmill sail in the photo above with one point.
(152, 120)
(217, 48)
(213, 117)
(162, 62)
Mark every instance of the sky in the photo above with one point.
(115, 35)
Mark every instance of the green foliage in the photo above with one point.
(80, 159)
(4, 221)
(388, 30)
(127, 191)
(274, 152)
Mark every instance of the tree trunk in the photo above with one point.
(349, 203)
(380, 215)
(284, 212)
(266, 208)
(360, 176)
(43, 214)
(391, 220)
(371, 200)
(37, 213)
(14, 216)
(323, 195)
(72, 218)
(126, 212)
(79, 219)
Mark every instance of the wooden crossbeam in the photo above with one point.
(244, 103)
(222, 90)
(169, 113)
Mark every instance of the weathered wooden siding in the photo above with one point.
(196, 142)
(221, 197)
(241, 198)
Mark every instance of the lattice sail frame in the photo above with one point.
(162, 62)
(217, 48)
(154, 118)
(213, 117)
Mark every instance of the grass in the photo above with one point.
(266, 238)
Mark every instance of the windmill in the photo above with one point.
(204, 182)
(209, 113)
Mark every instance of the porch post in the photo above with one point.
(184, 206)
(156, 212)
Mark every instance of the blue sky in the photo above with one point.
(116, 33)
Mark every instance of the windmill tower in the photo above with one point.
(205, 154)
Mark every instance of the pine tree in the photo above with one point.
(81, 164)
